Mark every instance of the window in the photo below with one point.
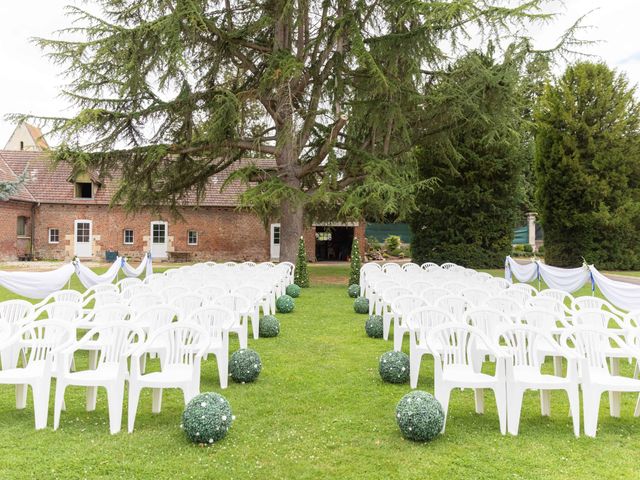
(159, 233)
(54, 235)
(128, 236)
(84, 190)
(323, 236)
(276, 235)
(83, 232)
(192, 237)
(22, 226)
(21, 145)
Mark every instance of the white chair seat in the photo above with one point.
(531, 376)
(465, 377)
(103, 373)
(170, 374)
(21, 375)
(616, 383)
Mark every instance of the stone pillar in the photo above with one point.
(531, 223)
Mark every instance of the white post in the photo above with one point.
(531, 222)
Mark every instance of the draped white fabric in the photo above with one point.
(565, 279)
(89, 278)
(523, 273)
(621, 294)
(145, 266)
(36, 284)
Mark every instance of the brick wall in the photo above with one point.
(10, 244)
(223, 233)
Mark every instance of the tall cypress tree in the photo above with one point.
(356, 263)
(588, 169)
(477, 158)
(301, 274)
(171, 92)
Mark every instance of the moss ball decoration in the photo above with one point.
(419, 416)
(245, 365)
(269, 326)
(361, 305)
(207, 418)
(394, 367)
(285, 304)
(373, 326)
(354, 290)
(293, 290)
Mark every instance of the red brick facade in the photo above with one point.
(48, 201)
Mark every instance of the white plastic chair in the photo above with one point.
(475, 296)
(140, 303)
(595, 303)
(560, 295)
(100, 288)
(37, 340)
(523, 298)
(256, 300)
(452, 347)
(184, 345)
(387, 297)
(70, 312)
(454, 305)
(14, 314)
(216, 320)
(427, 265)
(210, 292)
(523, 372)
(187, 304)
(420, 322)
(524, 287)
(506, 305)
(173, 291)
(596, 378)
(128, 282)
(135, 290)
(400, 307)
(240, 307)
(116, 342)
(61, 296)
(433, 294)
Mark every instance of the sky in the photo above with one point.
(30, 83)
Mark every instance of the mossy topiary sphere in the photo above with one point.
(420, 416)
(293, 290)
(373, 326)
(394, 367)
(354, 290)
(285, 304)
(207, 418)
(269, 326)
(245, 365)
(361, 305)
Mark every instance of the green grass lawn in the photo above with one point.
(318, 410)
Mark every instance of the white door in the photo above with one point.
(275, 241)
(159, 239)
(83, 243)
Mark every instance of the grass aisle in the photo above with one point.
(318, 410)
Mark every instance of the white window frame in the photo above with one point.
(49, 235)
(189, 242)
(124, 236)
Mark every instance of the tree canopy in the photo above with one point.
(170, 92)
(588, 168)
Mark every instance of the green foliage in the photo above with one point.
(169, 94)
(420, 416)
(269, 326)
(285, 304)
(207, 418)
(361, 305)
(356, 263)
(469, 218)
(588, 169)
(392, 245)
(10, 188)
(527, 248)
(301, 274)
(394, 367)
(245, 365)
(374, 326)
(354, 291)
(293, 290)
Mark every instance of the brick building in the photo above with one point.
(57, 216)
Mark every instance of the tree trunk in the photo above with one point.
(291, 229)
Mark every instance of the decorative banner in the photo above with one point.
(40, 284)
(523, 273)
(36, 284)
(621, 294)
(565, 279)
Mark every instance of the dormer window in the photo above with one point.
(84, 187)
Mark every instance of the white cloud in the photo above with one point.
(30, 83)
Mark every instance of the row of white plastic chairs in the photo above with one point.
(48, 348)
(460, 349)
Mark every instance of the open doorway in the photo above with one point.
(333, 243)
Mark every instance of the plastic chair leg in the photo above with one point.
(501, 404)
(58, 403)
(41, 402)
(590, 407)
(21, 396)
(156, 400)
(478, 395)
(615, 397)
(415, 360)
(514, 409)
(545, 403)
(115, 395)
(574, 407)
(442, 394)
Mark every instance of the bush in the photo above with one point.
(269, 326)
(528, 248)
(373, 244)
(354, 291)
(245, 365)
(285, 304)
(419, 416)
(392, 245)
(541, 250)
(207, 418)
(301, 273)
(394, 367)
(356, 263)
(374, 326)
(361, 305)
(293, 290)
